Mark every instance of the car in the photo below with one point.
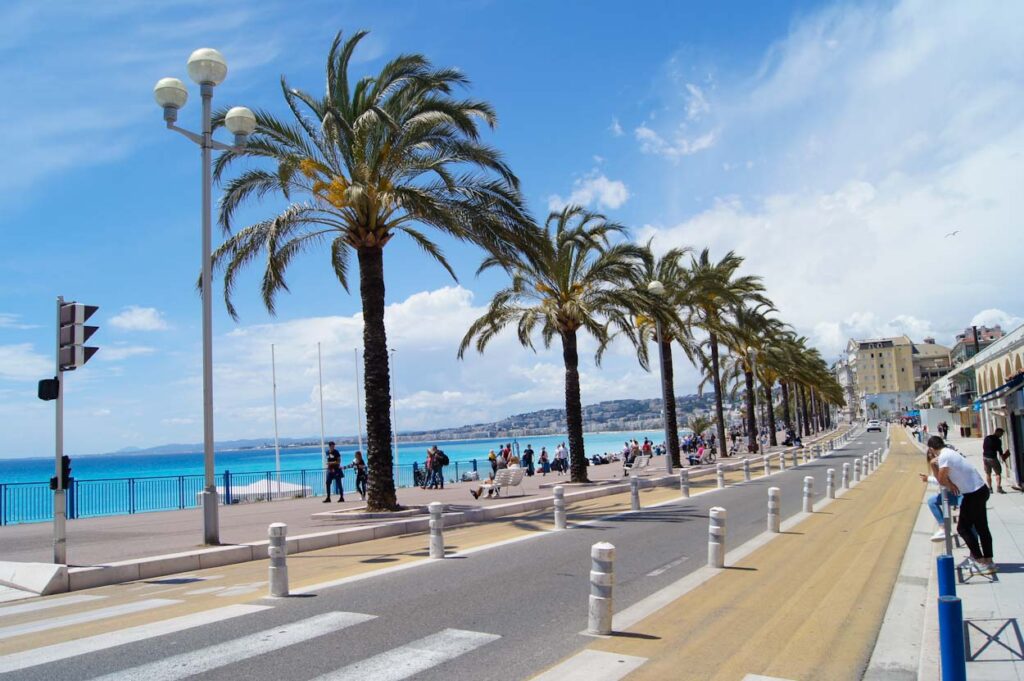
(874, 425)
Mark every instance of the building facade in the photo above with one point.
(973, 340)
(931, 362)
(883, 371)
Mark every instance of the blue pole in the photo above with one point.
(951, 639)
(947, 579)
(474, 464)
(227, 487)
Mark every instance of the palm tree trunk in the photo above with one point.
(785, 406)
(804, 411)
(751, 415)
(672, 436)
(573, 408)
(772, 439)
(380, 490)
(723, 447)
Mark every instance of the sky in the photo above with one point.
(867, 159)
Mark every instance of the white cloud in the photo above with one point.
(593, 190)
(653, 143)
(11, 321)
(696, 103)
(992, 317)
(116, 353)
(21, 362)
(616, 127)
(135, 318)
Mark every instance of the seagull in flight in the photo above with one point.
(953, 233)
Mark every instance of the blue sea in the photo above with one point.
(107, 466)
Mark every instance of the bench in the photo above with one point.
(505, 478)
(638, 466)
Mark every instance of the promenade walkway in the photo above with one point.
(807, 605)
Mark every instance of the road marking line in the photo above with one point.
(207, 590)
(220, 655)
(46, 605)
(64, 650)
(759, 677)
(83, 617)
(593, 665)
(667, 566)
(240, 589)
(412, 658)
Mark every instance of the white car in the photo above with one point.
(874, 425)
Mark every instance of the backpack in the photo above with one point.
(443, 457)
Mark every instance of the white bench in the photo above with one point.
(505, 478)
(638, 466)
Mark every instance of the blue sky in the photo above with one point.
(834, 144)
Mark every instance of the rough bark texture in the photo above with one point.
(380, 488)
(805, 411)
(671, 424)
(786, 416)
(723, 444)
(772, 439)
(751, 414)
(574, 408)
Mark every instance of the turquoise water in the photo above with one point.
(106, 466)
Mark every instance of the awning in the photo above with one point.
(1002, 391)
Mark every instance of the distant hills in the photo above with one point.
(603, 416)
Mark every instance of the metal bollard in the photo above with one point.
(946, 575)
(767, 466)
(782, 461)
(830, 483)
(803, 456)
(846, 476)
(684, 483)
(716, 537)
(951, 639)
(277, 549)
(634, 493)
(864, 466)
(856, 471)
(720, 474)
(808, 494)
(794, 460)
(559, 507)
(746, 469)
(773, 509)
(602, 579)
(436, 529)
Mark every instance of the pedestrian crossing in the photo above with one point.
(50, 616)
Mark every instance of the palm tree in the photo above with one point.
(699, 424)
(365, 162)
(565, 278)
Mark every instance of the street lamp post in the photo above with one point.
(658, 289)
(206, 67)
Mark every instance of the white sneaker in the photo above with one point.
(940, 535)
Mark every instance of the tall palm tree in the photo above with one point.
(565, 278)
(368, 160)
(745, 334)
(712, 289)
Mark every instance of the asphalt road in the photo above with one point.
(533, 594)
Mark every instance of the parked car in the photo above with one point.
(874, 424)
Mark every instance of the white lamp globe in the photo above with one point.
(170, 92)
(240, 121)
(656, 287)
(207, 65)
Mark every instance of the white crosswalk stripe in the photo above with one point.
(47, 604)
(82, 617)
(205, 659)
(65, 650)
(413, 658)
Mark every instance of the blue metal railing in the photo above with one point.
(30, 502)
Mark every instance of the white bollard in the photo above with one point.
(773, 509)
(716, 537)
(830, 483)
(746, 469)
(634, 493)
(684, 482)
(856, 471)
(864, 469)
(720, 474)
(808, 494)
(436, 529)
(767, 466)
(277, 549)
(794, 460)
(782, 461)
(846, 476)
(559, 507)
(803, 455)
(602, 579)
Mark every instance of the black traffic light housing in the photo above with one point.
(73, 335)
(65, 474)
(49, 389)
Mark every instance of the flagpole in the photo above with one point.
(277, 444)
(359, 416)
(320, 370)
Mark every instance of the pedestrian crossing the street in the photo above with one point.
(404, 660)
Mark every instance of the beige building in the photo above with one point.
(883, 370)
(931, 362)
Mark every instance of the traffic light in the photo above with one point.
(73, 335)
(49, 389)
(65, 474)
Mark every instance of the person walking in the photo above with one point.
(958, 476)
(359, 466)
(545, 462)
(991, 452)
(527, 460)
(562, 459)
(438, 461)
(334, 473)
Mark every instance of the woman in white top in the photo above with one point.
(958, 476)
